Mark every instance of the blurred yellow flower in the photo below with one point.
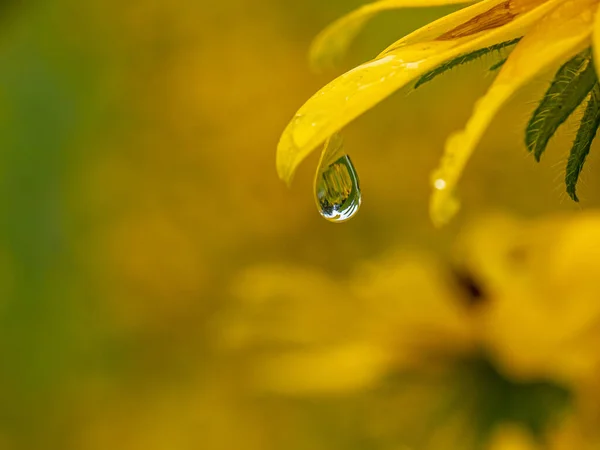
(545, 33)
(499, 347)
(543, 315)
(337, 336)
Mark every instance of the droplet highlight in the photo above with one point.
(440, 184)
(337, 188)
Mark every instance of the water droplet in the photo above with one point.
(337, 190)
(440, 184)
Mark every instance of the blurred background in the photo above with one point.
(160, 288)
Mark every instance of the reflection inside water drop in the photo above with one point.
(337, 190)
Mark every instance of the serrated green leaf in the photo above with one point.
(581, 147)
(571, 84)
(463, 59)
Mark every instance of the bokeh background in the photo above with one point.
(160, 288)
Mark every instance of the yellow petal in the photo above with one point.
(334, 40)
(561, 34)
(353, 93)
(340, 369)
(484, 16)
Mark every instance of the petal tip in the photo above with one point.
(284, 165)
(443, 207)
(285, 173)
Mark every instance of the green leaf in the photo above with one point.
(581, 147)
(463, 59)
(571, 84)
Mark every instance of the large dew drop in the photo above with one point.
(337, 190)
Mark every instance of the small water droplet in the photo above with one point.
(440, 184)
(337, 189)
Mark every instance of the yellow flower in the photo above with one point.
(545, 34)
(497, 350)
(540, 314)
(338, 336)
